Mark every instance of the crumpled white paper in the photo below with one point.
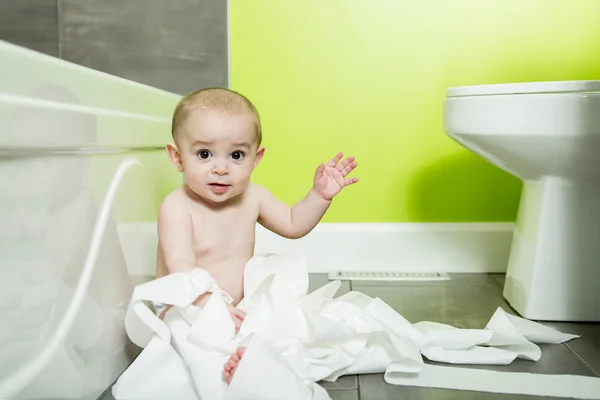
(293, 339)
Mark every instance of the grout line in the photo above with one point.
(597, 373)
(581, 359)
(59, 22)
(228, 35)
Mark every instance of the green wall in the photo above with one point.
(369, 77)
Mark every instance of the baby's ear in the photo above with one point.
(260, 152)
(175, 156)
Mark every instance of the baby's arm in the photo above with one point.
(290, 222)
(175, 239)
(175, 235)
(297, 221)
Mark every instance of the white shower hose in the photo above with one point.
(13, 384)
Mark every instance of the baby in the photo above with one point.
(209, 222)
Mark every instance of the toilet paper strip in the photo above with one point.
(302, 338)
(434, 376)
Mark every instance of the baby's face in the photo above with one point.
(219, 153)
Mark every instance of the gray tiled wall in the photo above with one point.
(175, 45)
(30, 23)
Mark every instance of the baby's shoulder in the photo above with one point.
(174, 202)
(176, 196)
(255, 190)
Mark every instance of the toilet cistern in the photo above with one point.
(548, 135)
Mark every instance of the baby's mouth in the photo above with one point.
(219, 188)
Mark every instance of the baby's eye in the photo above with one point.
(237, 155)
(203, 154)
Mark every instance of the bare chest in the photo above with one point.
(219, 233)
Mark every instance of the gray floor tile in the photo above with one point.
(344, 394)
(555, 359)
(465, 301)
(499, 278)
(587, 347)
(343, 382)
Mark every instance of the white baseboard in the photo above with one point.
(400, 247)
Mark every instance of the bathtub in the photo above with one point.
(81, 159)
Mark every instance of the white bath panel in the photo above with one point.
(387, 276)
(68, 134)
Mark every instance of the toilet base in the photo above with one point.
(553, 272)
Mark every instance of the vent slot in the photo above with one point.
(387, 276)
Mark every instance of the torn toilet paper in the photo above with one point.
(295, 339)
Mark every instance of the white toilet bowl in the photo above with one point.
(548, 135)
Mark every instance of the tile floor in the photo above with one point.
(465, 301)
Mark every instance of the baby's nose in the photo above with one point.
(220, 168)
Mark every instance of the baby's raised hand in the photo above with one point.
(330, 178)
(237, 316)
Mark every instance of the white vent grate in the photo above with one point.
(387, 276)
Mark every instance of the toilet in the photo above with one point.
(548, 135)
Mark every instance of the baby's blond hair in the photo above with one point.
(216, 99)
